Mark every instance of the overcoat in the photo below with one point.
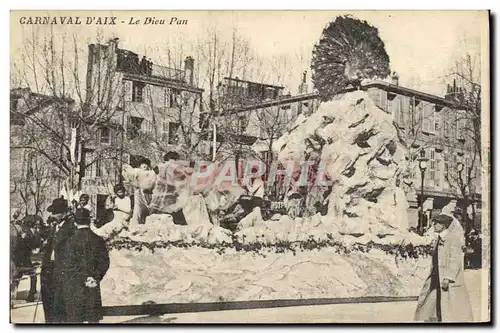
(87, 257)
(53, 275)
(453, 305)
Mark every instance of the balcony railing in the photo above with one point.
(129, 62)
(167, 72)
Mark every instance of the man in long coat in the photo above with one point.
(444, 296)
(88, 262)
(54, 261)
(28, 240)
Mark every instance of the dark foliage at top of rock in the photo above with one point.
(349, 51)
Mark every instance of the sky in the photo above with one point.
(422, 45)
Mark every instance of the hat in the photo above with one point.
(31, 220)
(119, 187)
(442, 219)
(58, 206)
(82, 216)
(171, 155)
(84, 196)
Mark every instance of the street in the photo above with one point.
(391, 312)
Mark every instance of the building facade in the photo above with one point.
(132, 108)
(157, 109)
(436, 129)
(254, 115)
(36, 172)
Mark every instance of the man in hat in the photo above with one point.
(28, 240)
(88, 262)
(54, 261)
(15, 216)
(444, 296)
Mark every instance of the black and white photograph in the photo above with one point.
(249, 167)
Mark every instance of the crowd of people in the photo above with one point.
(74, 261)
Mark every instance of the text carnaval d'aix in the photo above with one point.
(99, 20)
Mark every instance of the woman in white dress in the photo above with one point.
(122, 210)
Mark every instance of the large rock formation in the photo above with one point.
(362, 154)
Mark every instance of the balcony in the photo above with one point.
(167, 72)
(128, 62)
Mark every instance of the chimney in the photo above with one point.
(189, 70)
(112, 46)
(395, 79)
(303, 84)
(454, 92)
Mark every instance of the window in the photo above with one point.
(13, 104)
(165, 97)
(404, 108)
(383, 100)
(98, 168)
(459, 130)
(390, 102)
(461, 125)
(432, 167)
(164, 130)
(137, 91)
(269, 93)
(416, 111)
(133, 126)
(427, 117)
(30, 162)
(147, 128)
(437, 122)
(446, 123)
(174, 98)
(242, 124)
(204, 120)
(173, 135)
(93, 165)
(104, 135)
(89, 157)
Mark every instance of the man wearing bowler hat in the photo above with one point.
(88, 262)
(444, 296)
(54, 261)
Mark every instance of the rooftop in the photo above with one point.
(420, 95)
(252, 82)
(410, 92)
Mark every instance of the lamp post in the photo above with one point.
(422, 165)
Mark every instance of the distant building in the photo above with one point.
(233, 92)
(34, 179)
(439, 130)
(255, 115)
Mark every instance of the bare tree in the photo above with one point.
(54, 66)
(465, 148)
(467, 74)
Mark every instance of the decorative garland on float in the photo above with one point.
(408, 251)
